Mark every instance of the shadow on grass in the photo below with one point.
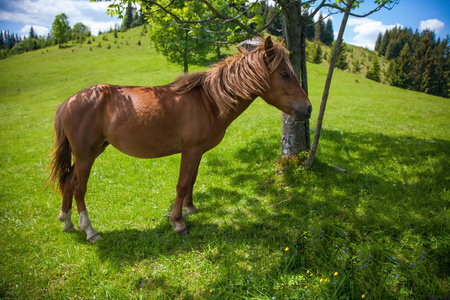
(393, 194)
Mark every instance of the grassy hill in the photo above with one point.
(381, 230)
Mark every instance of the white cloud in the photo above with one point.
(39, 30)
(367, 31)
(43, 13)
(432, 24)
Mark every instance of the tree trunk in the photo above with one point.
(185, 60)
(295, 137)
(309, 161)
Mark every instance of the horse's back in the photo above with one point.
(141, 121)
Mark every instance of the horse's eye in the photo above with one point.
(284, 75)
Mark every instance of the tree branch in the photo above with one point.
(228, 19)
(388, 5)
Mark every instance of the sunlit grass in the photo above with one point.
(381, 230)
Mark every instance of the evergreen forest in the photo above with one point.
(417, 61)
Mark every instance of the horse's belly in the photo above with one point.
(141, 145)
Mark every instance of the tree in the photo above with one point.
(32, 34)
(441, 67)
(384, 42)
(2, 39)
(80, 32)
(374, 72)
(295, 136)
(378, 42)
(399, 70)
(312, 154)
(320, 30)
(341, 62)
(138, 19)
(128, 18)
(317, 58)
(310, 29)
(328, 36)
(61, 29)
(422, 62)
(356, 66)
(176, 43)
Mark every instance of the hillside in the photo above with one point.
(381, 230)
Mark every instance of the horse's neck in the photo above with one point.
(240, 108)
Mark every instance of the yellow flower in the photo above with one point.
(363, 296)
(336, 274)
(321, 279)
(287, 249)
(311, 274)
(306, 287)
(210, 291)
(307, 272)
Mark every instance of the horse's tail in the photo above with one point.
(62, 154)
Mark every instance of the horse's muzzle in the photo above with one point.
(302, 115)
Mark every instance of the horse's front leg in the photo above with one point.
(190, 160)
(188, 202)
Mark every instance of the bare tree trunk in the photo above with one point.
(326, 90)
(185, 60)
(295, 136)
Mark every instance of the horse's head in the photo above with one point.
(284, 91)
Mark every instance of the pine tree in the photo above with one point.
(320, 29)
(422, 62)
(317, 58)
(328, 36)
(378, 42)
(2, 40)
(356, 66)
(310, 29)
(374, 72)
(128, 18)
(32, 34)
(384, 43)
(439, 73)
(341, 62)
(399, 71)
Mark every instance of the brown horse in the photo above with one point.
(189, 115)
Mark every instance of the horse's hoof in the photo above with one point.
(180, 227)
(94, 238)
(191, 210)
(184, 232)
(70, 229)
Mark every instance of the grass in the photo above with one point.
(381, 230)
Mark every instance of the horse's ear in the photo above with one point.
(282, 43)
(268, 46)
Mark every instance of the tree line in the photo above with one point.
(417, 61)
(61, 33)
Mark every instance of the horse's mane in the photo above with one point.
(238, 76)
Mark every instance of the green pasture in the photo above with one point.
(379, 231)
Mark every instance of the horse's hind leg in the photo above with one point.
(82, 170)
(65, 215)
(190, 161)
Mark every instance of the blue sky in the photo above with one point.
(18, 15)
(420, 14)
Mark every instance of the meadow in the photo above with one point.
(379, 231)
